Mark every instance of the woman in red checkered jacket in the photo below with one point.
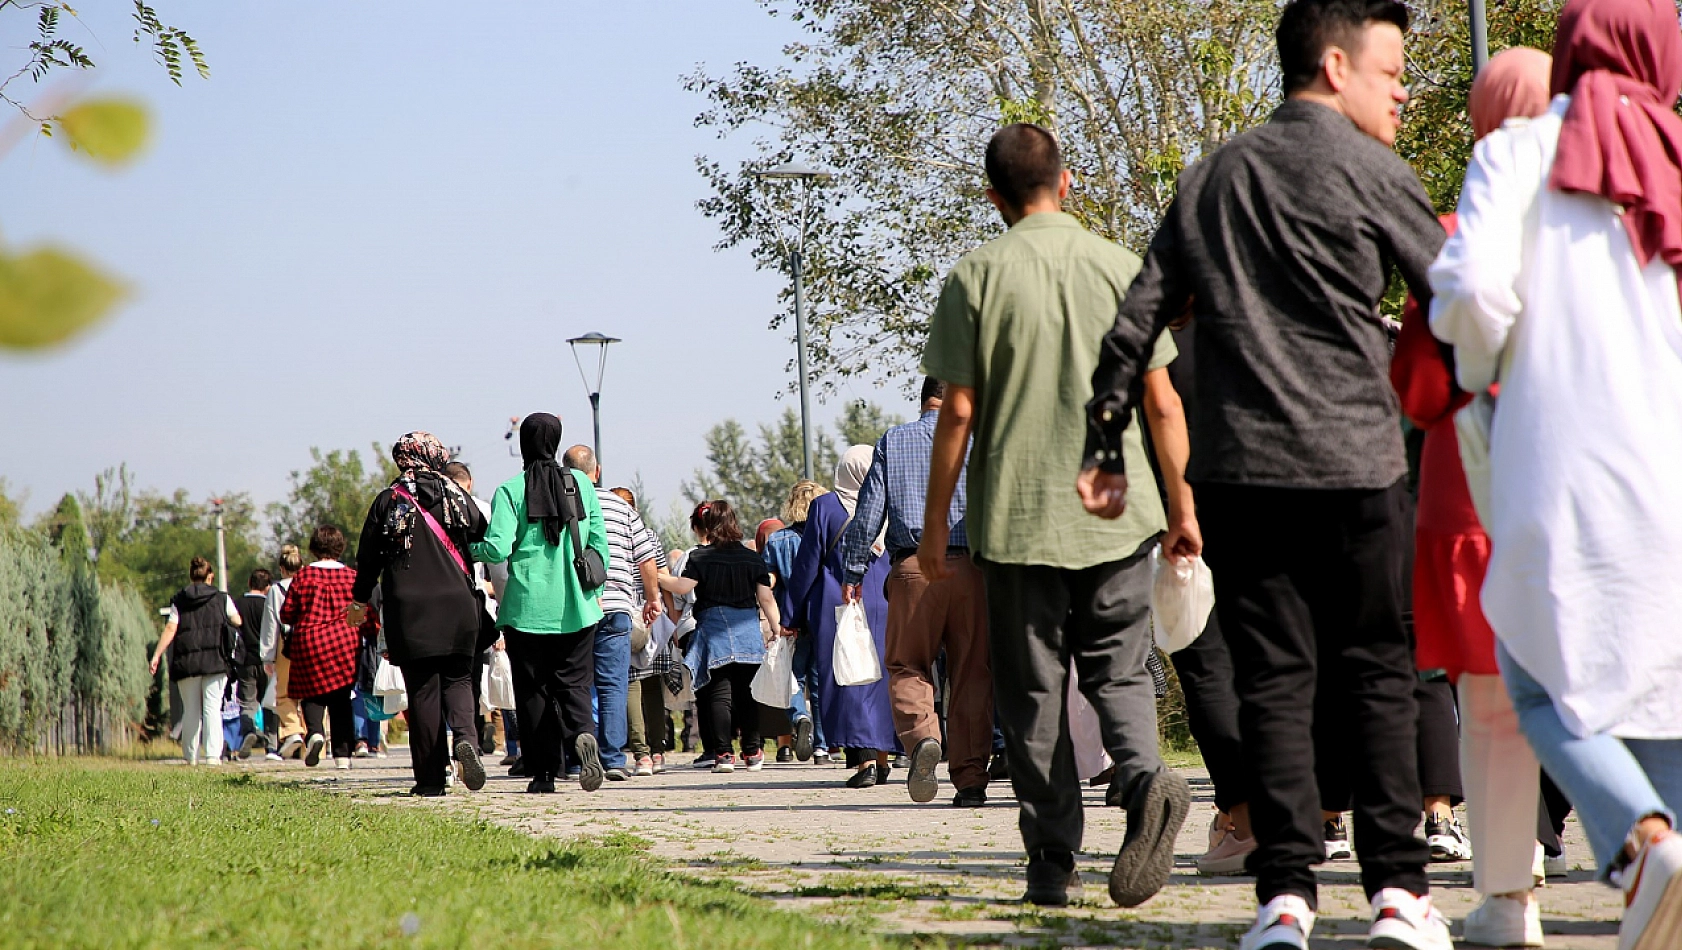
(322, 647)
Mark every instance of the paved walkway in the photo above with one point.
(795, 835)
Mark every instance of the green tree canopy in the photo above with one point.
(336, 489)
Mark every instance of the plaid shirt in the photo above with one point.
(896, 489)
(321, 646)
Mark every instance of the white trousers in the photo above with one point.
(201, 699)
(1502, 782)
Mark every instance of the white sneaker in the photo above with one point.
(1505, 920)
(272, 756)
(1556, 866)
(342, 764)
(1283, 923)
(1447, 839)
(1401, 921)
(290, 746)
(1652, 886)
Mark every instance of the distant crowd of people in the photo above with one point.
(1499, 634)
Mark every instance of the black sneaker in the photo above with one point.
(882, 772)
(1447, 840)
(510, 759)
(802, 740)
(1156, 810)
(970, 798)
(1052, 878)
(249, 744)
(785, 755)
(1337, 841)
(469, 769)
(863, 778)
(998, 770)
(428, 791)
(541, 785)
(518, 769)
(618, 775)
(921, 782)
(590, 772)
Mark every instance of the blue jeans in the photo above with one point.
(806, 701)
(613, 682)
(1613, 782)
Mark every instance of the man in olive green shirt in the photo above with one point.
(1015, 337)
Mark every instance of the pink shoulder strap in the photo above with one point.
(437, 529)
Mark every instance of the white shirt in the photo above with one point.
(1585, 576)
(268, 640)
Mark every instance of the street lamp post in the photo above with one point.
(1480, 35)
(602, 341)
(221, 548)
(807, 177)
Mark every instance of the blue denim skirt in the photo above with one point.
(724, 635)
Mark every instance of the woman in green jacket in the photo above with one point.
(548, 618)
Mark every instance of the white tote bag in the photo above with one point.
(856, 662)
(774, 684)
(1182, 594)
(498, 687)
(389, 686)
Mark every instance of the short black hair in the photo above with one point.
(260, 579)
(1023, 161)
(932, 389)
(327, 543)
(1307, 27)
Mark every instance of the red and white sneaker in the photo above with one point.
(1652, 886)
(1402, 921)
(1283, 923)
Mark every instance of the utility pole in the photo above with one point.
(1480, 35)
(221, 548)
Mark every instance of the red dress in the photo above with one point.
(1451, 549)
(322, 647)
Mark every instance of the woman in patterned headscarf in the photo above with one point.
(414, 546)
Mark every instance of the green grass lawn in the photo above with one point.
(101, 853)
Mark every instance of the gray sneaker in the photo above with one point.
(1156, 810)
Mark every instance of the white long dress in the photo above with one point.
(1584, 587)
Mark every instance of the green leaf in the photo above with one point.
(109, 131)
(48, 296)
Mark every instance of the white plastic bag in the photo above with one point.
(389, 686)
(774, 684)
(1182, 594)
(856, 662)
(1086, 734)
(498, 686)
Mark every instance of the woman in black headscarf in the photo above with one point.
(414, 546)
(547, 614)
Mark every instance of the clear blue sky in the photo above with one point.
(377, 217)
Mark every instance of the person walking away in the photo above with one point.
(797, 708)
(200, 652)
(858, 719)
(489, 578)
(547, 615)
(645, 704)
(633, 563)
(732, 589)
(925, 618)
(323, 646)
(286, 738)
(779, 551)
(1014, 336)
(413, 547)
(1298, 461)
(249, 665)
(1561, 281)
(1451, 556)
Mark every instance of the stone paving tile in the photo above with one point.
(796, 836)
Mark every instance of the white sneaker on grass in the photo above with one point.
(1403, 921)
(1505, 920)
(1283, 923)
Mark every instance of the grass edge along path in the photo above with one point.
(103, 853)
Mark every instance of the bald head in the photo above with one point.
(583, 458)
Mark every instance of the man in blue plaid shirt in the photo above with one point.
(923, 617)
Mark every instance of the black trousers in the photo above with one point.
(337, 706)
(1309, 586)
(252, 684)
(554, 675)
(1436, 749)
(1205, 671)
(1551, 813)
(730, 706)
(440, 689)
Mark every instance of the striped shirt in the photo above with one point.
(629, 544)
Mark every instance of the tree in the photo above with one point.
(898, 97)
(11, 509)
(755, 478)
(336, 489)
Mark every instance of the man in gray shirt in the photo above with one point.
(1281, 243)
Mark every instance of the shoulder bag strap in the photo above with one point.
(437, 529)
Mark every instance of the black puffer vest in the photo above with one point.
(203, 643)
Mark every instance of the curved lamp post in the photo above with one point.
(601, 341)
(806, 177)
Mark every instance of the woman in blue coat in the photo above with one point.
(857, 718)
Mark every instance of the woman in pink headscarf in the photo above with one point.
(1498, 770)
(1562, 282)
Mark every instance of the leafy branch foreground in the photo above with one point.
(111, 854)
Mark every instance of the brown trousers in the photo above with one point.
(291, 716)
(923, 617)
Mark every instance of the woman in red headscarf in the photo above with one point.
(1451, 552)
(1562, 282)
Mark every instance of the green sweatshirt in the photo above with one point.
(543, 594)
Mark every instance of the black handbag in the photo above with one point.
(592, 572)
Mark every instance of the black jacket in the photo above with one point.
(427, 607)
(204, 641)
